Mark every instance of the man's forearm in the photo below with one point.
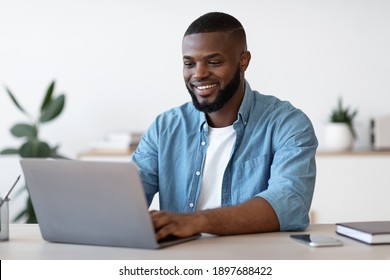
(253, 216)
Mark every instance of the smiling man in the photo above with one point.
(232, 161)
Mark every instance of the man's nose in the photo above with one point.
(201, 71)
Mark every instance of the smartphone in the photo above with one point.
(316, 240)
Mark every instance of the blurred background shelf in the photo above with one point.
(108, 154)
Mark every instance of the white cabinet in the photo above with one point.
(352, 186)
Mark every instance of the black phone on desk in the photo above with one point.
(316, 240)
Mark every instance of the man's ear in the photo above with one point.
(244, 60)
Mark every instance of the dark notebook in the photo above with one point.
(367, 232)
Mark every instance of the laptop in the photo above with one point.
(91, 202)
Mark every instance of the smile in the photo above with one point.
(206, 87)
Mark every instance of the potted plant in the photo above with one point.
(32, 146)
(340, 132)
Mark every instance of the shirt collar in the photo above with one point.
(243, 112)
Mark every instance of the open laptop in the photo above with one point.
(91, 202)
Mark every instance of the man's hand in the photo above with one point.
(253, 216)
(177, 224)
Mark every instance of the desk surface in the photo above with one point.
(26, 243)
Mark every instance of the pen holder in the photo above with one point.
(4, 220)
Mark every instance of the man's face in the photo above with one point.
(211, 69)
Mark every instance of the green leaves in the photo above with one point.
(28, 133)
(24, 130)
(11, 95)
(28, 212)
(343, 114)
(51, 107)
(10, 151)
(35, 149)
(47, 99)
(32, 148)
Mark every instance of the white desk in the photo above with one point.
(26, 243)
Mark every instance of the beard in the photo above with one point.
(223, 96)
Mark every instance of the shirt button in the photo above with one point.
(203, 143)
(197, 173)
(191, 205)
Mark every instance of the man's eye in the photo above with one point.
(188, 64)
(215, 62)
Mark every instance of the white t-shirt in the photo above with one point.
(221, 141)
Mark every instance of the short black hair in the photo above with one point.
(217, 22)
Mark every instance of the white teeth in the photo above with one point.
(206, 87)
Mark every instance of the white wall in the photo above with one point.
(119, 61)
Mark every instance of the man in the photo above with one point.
(233, 161)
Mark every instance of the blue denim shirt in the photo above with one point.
(273, 158)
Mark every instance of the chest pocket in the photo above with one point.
(252, 177)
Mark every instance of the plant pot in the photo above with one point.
(338, 137)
